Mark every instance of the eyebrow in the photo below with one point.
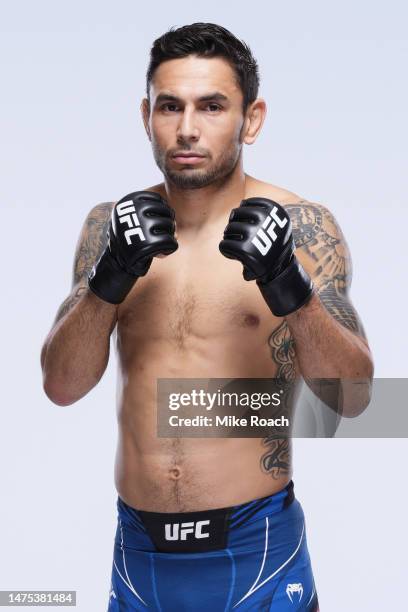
(216, 96)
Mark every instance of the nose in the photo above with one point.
(188, 130)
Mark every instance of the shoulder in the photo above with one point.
(105, 208)
(311, 221)
(96, 222)
(96, 219)
(102, 209)
(256, 188)
(320, 243)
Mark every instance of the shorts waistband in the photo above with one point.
(203, 530)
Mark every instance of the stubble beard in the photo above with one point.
(198, 178)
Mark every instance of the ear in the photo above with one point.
(145, 110)
(254, 118)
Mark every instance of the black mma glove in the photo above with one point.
(141, 227)
(259, 235)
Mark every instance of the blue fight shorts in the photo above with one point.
(248, 557)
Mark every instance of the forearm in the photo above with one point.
(325, 349)
(76, 351)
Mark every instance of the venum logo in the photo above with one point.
(264, 239)
(179, 531)
(295, 590)
(127, 214)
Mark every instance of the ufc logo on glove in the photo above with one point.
(263, 240)
(127, 214)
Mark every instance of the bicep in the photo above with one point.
(326, 257)
(91, 242)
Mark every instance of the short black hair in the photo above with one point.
(207, 40)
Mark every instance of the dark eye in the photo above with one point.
(213, 107)
(170, 106)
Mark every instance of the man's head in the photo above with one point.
(202, 87)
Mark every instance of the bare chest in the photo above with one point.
(195, 292)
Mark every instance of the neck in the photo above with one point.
(196, 208)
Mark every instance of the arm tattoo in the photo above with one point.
(70, 302)
(318, 235)
(340, 307)
(91, 244)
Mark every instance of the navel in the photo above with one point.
(175, 473)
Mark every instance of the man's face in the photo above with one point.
(195, 120)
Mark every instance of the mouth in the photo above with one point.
(187, 158)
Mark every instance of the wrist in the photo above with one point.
(288, 291)
(109, 281)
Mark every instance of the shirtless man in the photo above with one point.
(206, 523)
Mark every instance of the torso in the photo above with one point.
(193, 315)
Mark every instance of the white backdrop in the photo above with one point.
(334, 77)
